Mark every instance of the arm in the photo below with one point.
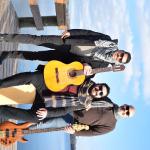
(49, 112)
(94, 64)
(49, 45)
(57, 112)
(78, 32)
(83, 33)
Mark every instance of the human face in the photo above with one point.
(120, 56)
(126, 111)
(99, 91)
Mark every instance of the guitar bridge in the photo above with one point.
(57, 75)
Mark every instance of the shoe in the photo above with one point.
(3, 56)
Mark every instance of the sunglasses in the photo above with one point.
(127, 110)
(100, 90)
(120, 56)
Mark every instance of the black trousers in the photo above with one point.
(8, 112)
(35, 78)
(53, 39)
(61, 53)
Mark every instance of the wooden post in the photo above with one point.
(36, 14)
(29, 21)
(59, 20)
(60, 6)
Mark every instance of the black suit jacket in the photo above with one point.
(77, 37)
(86, 37)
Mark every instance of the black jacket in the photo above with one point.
(86, 37)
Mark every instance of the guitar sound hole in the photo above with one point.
(72, 73)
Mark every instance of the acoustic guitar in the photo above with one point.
(11, 132)
(58, 75)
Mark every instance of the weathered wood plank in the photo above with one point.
(29, 21)
(36, 14)
(60, 6)
(60, 20)
(8, 24)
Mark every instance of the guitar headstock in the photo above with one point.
(79, 127)
(116, 68)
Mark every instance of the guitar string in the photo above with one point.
(20, 133)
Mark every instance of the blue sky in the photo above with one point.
(129, 21)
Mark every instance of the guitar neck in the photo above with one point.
(76, 127)
(98, 70)
(30, 131)
(94, 71)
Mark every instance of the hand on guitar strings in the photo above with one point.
(69, 129)
(41, 113)
(87, 70)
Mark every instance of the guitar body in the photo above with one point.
(57, 75)
(11, 132)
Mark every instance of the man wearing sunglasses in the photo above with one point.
(86, 46)
(101, 120)
(84, 96)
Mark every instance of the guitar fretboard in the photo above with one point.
(30, 131)
(94, 71)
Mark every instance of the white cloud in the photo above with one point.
(137, 84)
(144, 23)
(129, 47)
(136, 89)
(85, 17)
(80, 15)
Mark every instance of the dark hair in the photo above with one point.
(107, 87)
(129, 57)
